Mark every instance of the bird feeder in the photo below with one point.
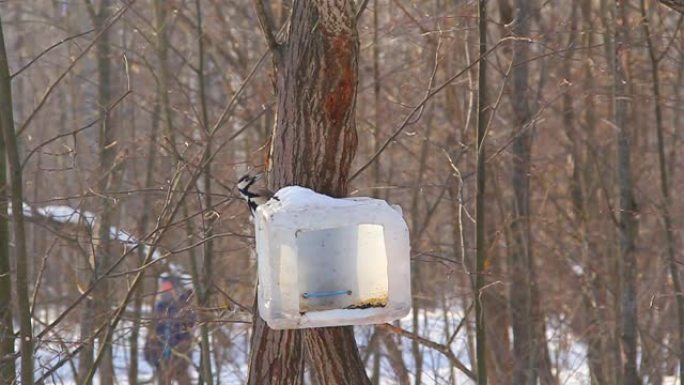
(331, 262)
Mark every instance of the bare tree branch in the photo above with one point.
(445, 350)
(71, 66)
(267, 26)
(48, 49)
(677, 5)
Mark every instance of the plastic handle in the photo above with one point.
(320, 294)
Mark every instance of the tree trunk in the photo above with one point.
(97, 310)
(142, 229)
(15, 188)
(162, 21)
(665, 215)
(205, 187)
(7, 366)
(276, 356)
(528, 324)
(592, 285)
(375, 174)
(313, 145)
(627, 228)
(394, 355)
(524, 372)
(480, 246)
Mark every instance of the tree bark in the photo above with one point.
(97, 310)
(276, 356)
(529, 342)
(313, 145)
(665, 216)
(142, 229)
(480, 246)
(580, 190)
(7, 366)
(16, 191)
(627, 222)
(394, 355)
(524, 372)
(162, 22)
(205, 187)
(376, 99)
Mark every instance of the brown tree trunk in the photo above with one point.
(313, 145)
(162, 23)
(205, 187)
(16, 191)
(142, 229)
(376, 99)
(592, 289)
(524, 372)
(529, 342)
(276, 356)
(480, 241)
(394, 355)
(665, 214)
(7, 366)
(627, 227)
(98, 312)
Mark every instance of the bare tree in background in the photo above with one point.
(666, 204)
(15, 188)
(204, 186)
(97, 310)
(200, 109)
(7, 367)
(520, 262)
(627, 216)
(480, 245)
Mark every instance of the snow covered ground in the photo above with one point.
(437, 370)
(567, 352)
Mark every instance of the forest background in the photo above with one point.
(131, 122)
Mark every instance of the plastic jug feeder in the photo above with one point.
(331, 262)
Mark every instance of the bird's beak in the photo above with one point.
(258, 176)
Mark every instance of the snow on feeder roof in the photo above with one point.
(331, 262)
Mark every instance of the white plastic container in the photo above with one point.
(331, 262)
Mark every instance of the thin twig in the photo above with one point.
(73, 132)
(266, 26)
(418, 108)
(50, 48)
(444, 349)
(41, 273)
(460, 324)
(71, 66)
(233, 301)
(237, 93)
(362, 7)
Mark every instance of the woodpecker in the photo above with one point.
(253, 196)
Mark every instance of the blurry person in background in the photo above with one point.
(169, 341)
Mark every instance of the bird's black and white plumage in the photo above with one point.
(254, 196)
